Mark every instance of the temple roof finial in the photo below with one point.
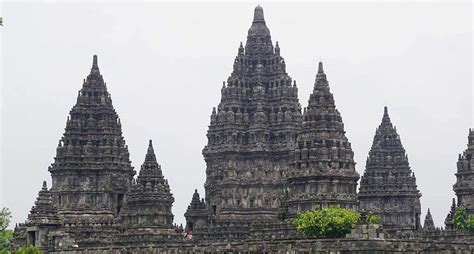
(94, 61)
(321, 80)
(320, 67)
(150, 151)
(258, 14)
(45, 186)
(386, 117)
(95, 65)
(150, 154)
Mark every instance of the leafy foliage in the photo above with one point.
(5, 238)
(331, 222)
(373, 218)
(463, 221)
(5, 216)
(28, 250)
(6, 235)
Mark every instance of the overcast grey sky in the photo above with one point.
(164, 64)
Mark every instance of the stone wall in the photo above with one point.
(295, 246)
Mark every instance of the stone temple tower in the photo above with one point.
(464, 187)
(42, 220)
(252, 131)
(147, 208)
(91, 171)
(429, 223)
(388, 186)
(323, 168)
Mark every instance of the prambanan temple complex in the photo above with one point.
(267, 160)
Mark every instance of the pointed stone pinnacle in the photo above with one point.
(94, 61)
(258, 14)
(386, 117)
(320, 67)
(45, 186)
(95, 65)
(321, 79)
(150, 148)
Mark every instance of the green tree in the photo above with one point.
(373, 218)
(28, 250)
(463, 221)
(6, 235)
(331, 222)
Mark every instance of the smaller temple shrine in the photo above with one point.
(388, 186)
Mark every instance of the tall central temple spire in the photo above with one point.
(252, 131)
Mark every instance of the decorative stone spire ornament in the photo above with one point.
(388, 186)
(429, 223)
(258, 38)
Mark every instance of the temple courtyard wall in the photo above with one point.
(332, 246)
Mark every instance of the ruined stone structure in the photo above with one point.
(388, 186)
(266, 161)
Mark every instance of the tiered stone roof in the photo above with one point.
(92, 170)
(323, 168)
(149, 202)
(44, 211)
(251, 131)
(388, 186)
